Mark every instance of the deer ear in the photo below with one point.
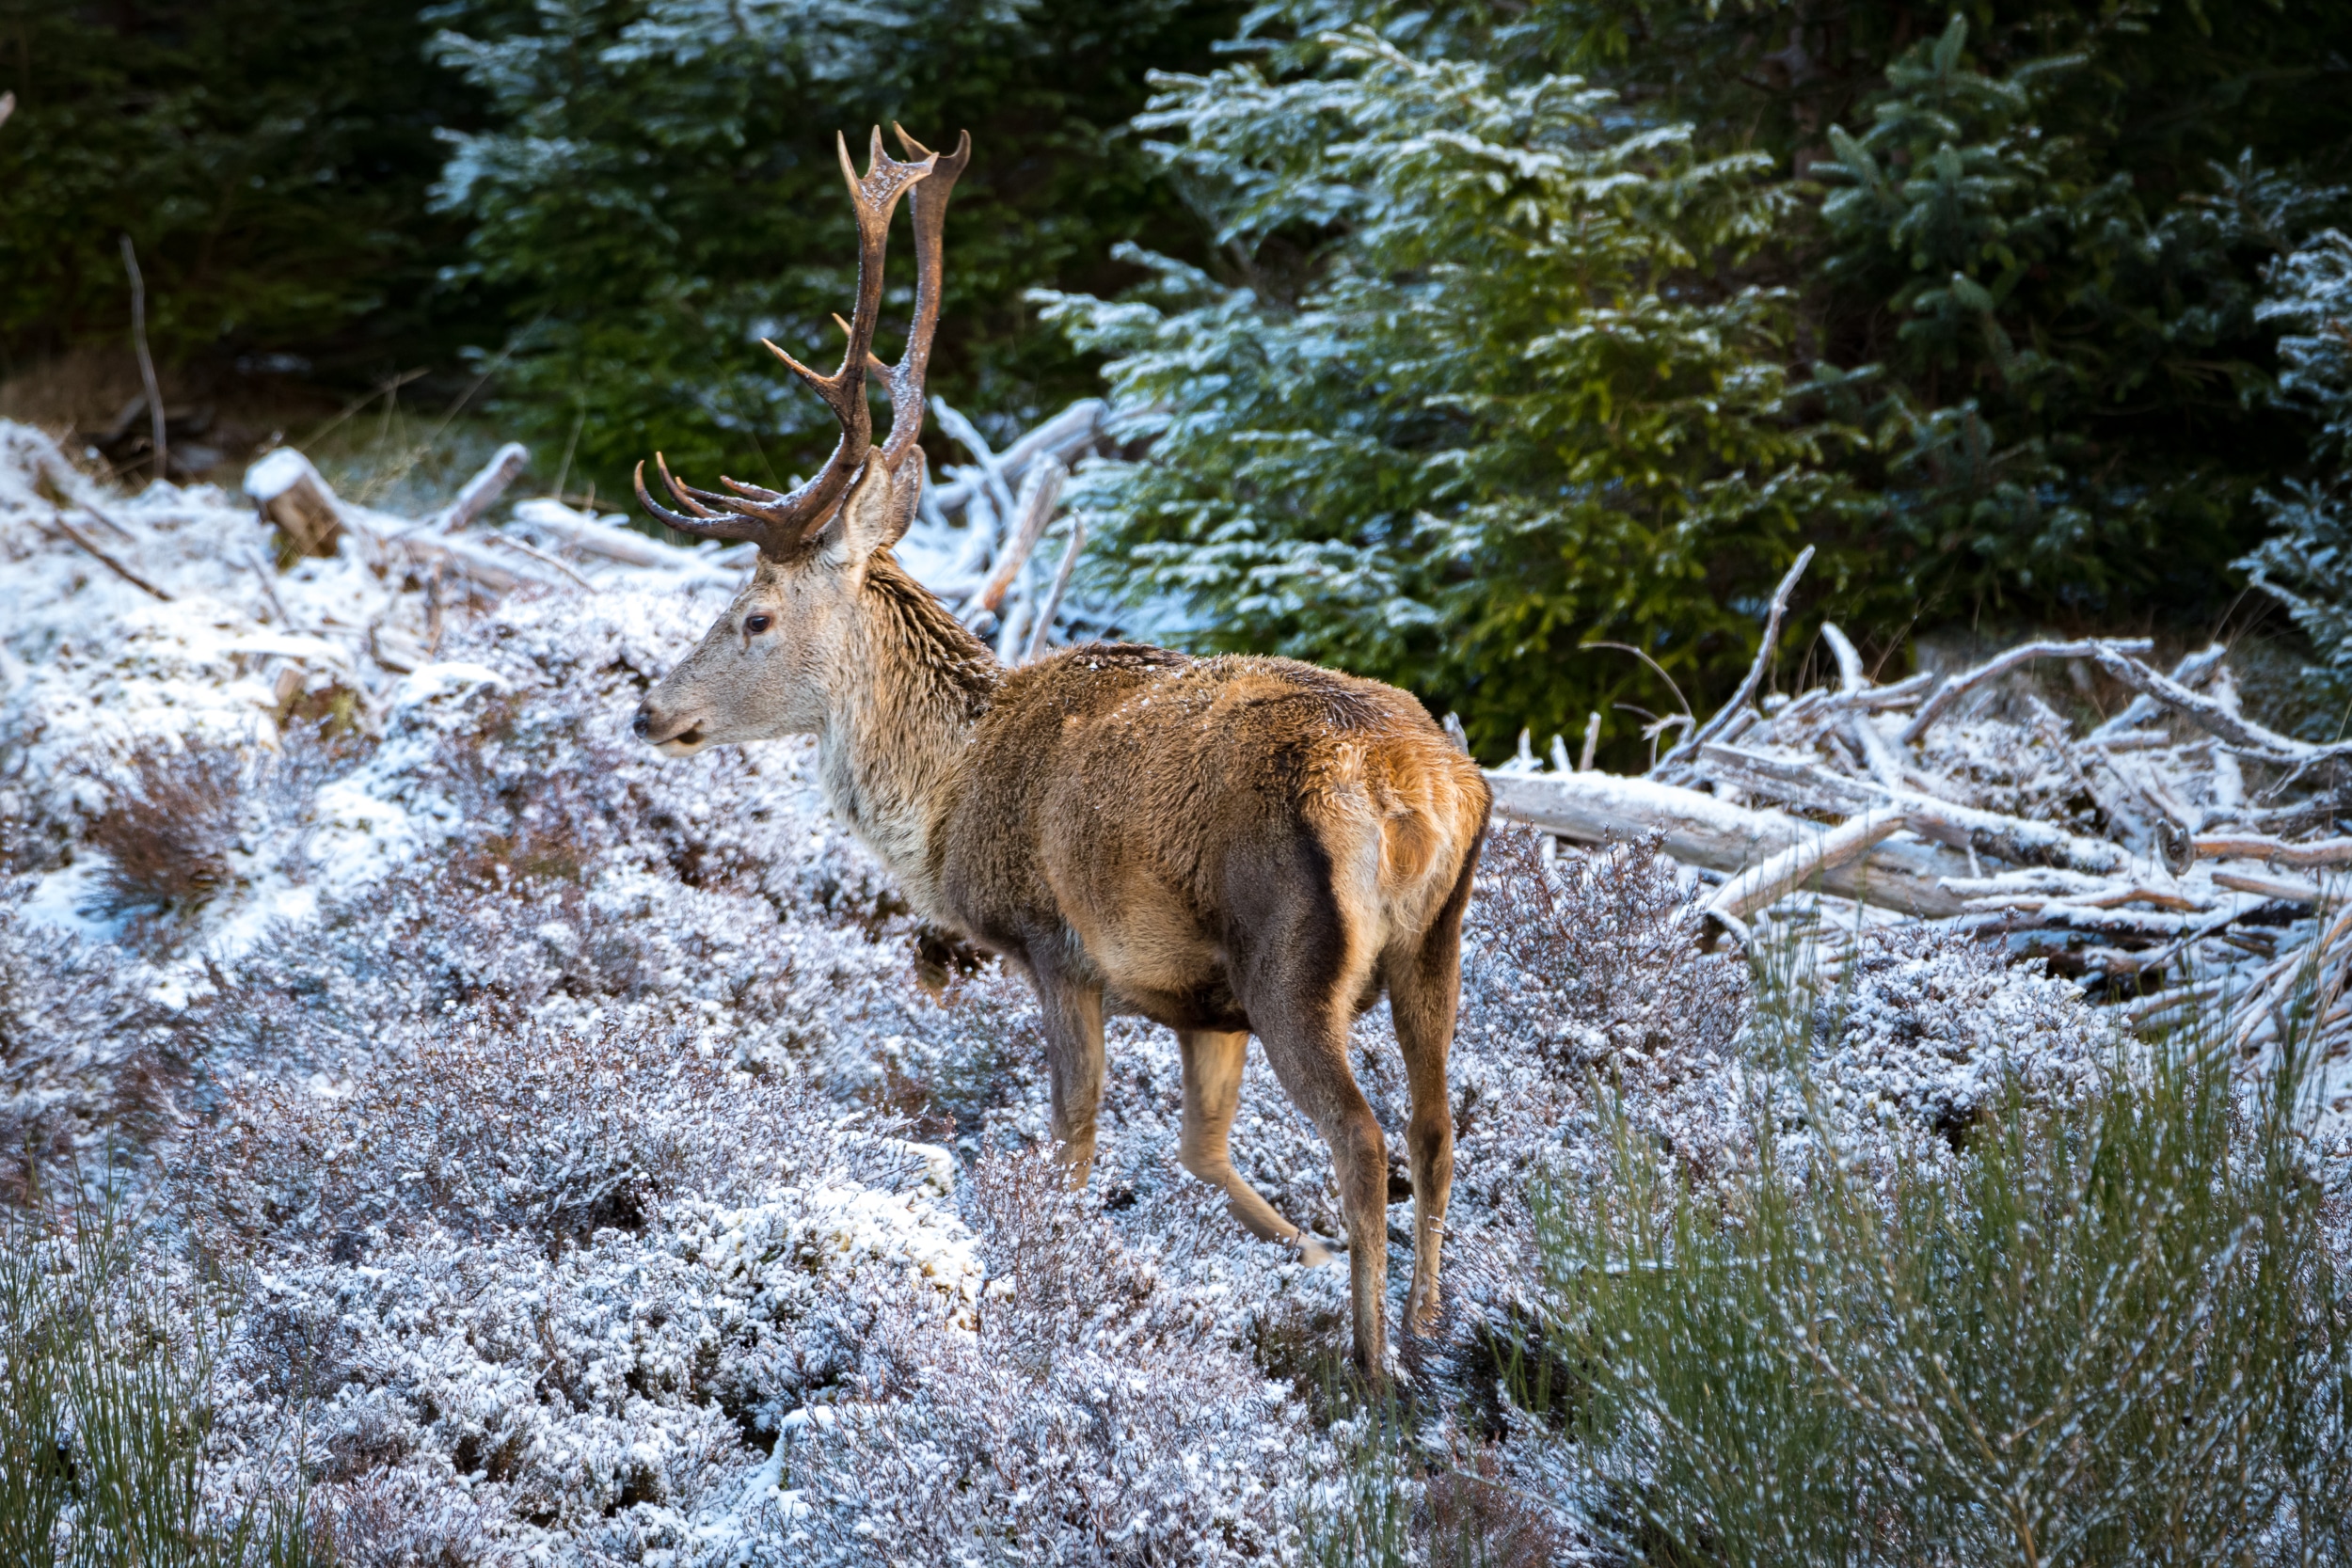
(875, 513)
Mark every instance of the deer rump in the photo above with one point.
(1204, 839)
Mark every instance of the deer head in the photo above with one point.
(768, 666)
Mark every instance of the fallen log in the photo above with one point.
(1705, 830)
(2008, 838)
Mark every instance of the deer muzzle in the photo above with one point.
(667, 733)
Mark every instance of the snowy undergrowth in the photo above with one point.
(592, 1161)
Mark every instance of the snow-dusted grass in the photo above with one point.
(2108, 1325)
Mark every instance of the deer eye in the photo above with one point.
(754, 625)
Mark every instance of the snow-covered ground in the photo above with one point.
(592, 1161)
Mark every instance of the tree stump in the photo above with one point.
(288, 494)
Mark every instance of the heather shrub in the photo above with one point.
(526, 1288)
(82, 1064)
(1586, 996)
(482, 1129)
(1927, 1027)
(168, 832)
(1599, 958)
(1090, 1413)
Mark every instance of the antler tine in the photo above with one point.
(757, 492)
(929, 205)
(780, 521)
(693, 497)
(705, 524)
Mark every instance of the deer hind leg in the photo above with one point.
(1213, 1068)
(1074, 1063)
(1300, 990)
(1425, 979)
(1310, 1056)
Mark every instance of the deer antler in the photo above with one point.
(905, 378)
(774, 521)
(930, 206)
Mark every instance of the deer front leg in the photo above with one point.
(1073, 1064)
(1213, 1068)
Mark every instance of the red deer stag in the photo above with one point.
(1226, 846)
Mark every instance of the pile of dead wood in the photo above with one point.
(2181, 850)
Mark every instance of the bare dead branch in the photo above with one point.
(2188, 672)
(2293, 891)
(2216, 718)
(90, 545)
(1877, 754)
(483, 491)
(1754, 677)
(147, 361)
(992, 476)
(1061, 585)
(1039, 493)
(1960, 685)
(1793, 867)
(539, 555)
(2271, 851)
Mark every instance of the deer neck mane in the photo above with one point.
(915, 684)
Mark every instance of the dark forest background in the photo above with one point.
(1971, 298)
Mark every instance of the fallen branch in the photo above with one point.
(1762, 885)
(1880, 757)
(2193, 667)
(1960, 685)
(1051, 601)
(2216, 718)
(2297, 892)
(991, 473)
(1065, 439)
(1754, 677)
(539, 555)
(481, 491)
(117, 568)
(1039, 492)
(2271, 851)
(2008, 838)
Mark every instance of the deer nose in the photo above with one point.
(642, 725)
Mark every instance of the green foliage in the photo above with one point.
(2102, 1335)
(1491, 387)
(102, 1412)
(2072, 370)
(272, 174)
(658, 190)
(2306, 563)
(2078, 426)
(1965, 295)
